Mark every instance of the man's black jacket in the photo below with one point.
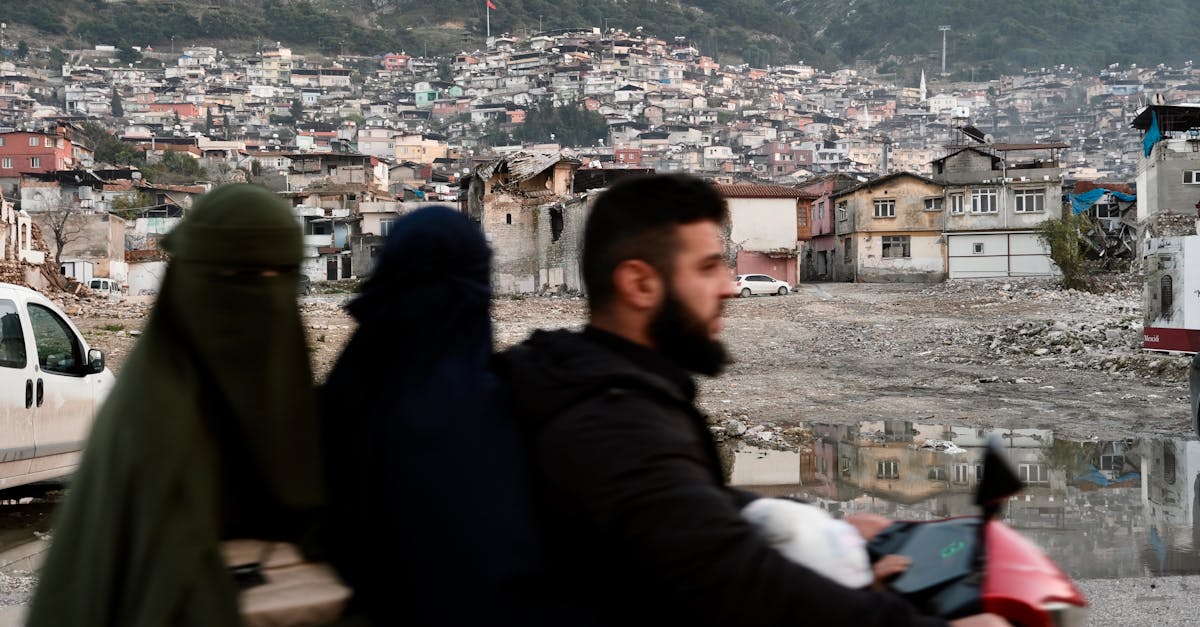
(640, 527)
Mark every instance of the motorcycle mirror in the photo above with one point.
(999, 480)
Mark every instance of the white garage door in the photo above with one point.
(997, 255)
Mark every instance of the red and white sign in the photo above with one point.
(1171, 298)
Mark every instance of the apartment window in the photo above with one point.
(844, 465)
(896, 246)
(962, 473)
(933, 204)
(35, 162)
(887, 469)
(841, 210)
(1029, 200)
(1191, 177)
(956, 203)
(977, 248)
(1, 141)
(385, 227)
(1108, 210)
(821, 210)
(6, 163)
(983, 200)
(1033, 473)
(937, 473)
(885, 208)
(33, 141)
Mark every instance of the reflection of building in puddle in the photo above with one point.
(1171, 496)
(1099, 509)
(763, 467)
(1072, 505)
(907, 462)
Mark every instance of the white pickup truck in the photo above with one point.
(51, 386)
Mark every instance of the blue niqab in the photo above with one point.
(431, 515)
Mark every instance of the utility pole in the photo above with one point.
(943, 29)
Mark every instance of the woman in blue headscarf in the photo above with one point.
(426, 476)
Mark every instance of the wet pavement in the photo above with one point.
(1102, 509)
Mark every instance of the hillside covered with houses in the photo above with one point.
(831, 174)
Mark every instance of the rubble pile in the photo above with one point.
(1112, 346)
(1171, 224)
(741, 428)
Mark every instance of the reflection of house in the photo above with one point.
(890, 229)
(768, 224)
(526, 207)
(1171, 500)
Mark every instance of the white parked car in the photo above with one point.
(51, 385)
(748, 284)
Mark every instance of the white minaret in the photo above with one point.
(924, 90)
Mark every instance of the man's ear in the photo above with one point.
(637, 284)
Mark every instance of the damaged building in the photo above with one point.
(528, 210)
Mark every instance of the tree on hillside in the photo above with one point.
(127, 55)
(64, 221)
(118, 109)
(108, 149)
(22, 49)
(175, 168)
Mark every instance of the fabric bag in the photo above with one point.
(279, 588)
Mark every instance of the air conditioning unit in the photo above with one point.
(1045, 177)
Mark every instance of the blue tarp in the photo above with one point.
(1083, 202)
(1153, 135)
(1095, 476)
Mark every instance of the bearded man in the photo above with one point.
(639, 525)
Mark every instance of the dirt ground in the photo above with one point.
(1015, 354)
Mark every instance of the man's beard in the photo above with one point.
(683, 338)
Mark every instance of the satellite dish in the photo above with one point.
(989, 139)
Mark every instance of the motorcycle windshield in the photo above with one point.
(941, 552)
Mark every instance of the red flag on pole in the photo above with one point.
(490, 5)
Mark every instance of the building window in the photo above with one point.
(1, 141)
(508, 218)
(1029, 200)
(35, 162)
(933, 204)
(977, 248)
(821, 210)
(33, 141)
(1108, 210)
(956, 203)
(556, 224)
(1191, 177)
(983, 200)
(1166, 296)
(6, 163)
(841, 210)
(385, 227)
(937, 473)
(962, 473)
(1033, 473)
(885, 208)
(896, 246)
(887, 469)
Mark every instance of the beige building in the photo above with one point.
(889, 229)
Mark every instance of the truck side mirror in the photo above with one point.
(95, 361)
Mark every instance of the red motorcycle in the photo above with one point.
(968, 565)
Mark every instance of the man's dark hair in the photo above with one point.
(637, 219)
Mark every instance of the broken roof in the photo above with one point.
(521, 165)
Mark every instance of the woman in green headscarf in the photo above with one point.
(209, 433)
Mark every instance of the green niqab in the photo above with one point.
(208, 434)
